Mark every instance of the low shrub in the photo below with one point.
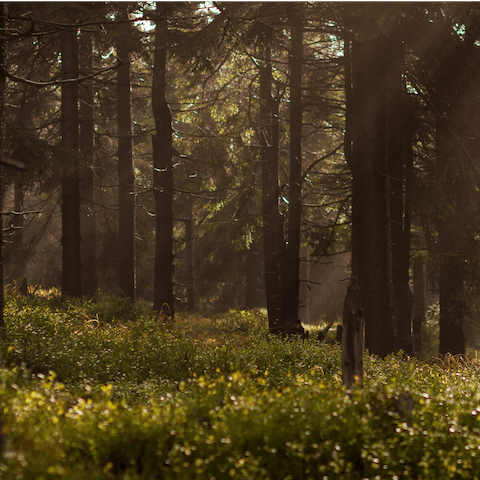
(132, 399)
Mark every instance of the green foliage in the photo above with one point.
(219, 398)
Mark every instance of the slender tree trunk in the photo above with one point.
(87, 181)
(16, 249)
(292, 278)
(3, 24)
(126, 178)
(347, 148)
(370, 201)
(163, 180)
(190, 267)
(304, 295)
(269, 188)
(419, 291)
(253, 269)
(71, 237)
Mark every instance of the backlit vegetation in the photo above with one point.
(101, 389)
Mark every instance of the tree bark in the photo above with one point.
(451, 246)
(71, 237)
(352, 337)
(371, 215)
(270, 190)
(87, 180)
(291, 289)
(3, 45)
(189, 251)
(419, 302)
(253, 271)
(163, 179)
(399, 148)
(126, 177)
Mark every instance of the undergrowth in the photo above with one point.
(102, 389)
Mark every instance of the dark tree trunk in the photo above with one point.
(371, 215)
(419, 302)
(126, 177)
(189, 251)
(348, 150)
(353, 337)
(3, 24)
(71, 237)
(270, 190)
(292, 271)
(455, 108)
(87, 181)
(304, 293)
(253, 270)
(163, 180)
(16, 249)
(451, 247)
(399, 159)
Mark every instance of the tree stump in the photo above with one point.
(353, 336)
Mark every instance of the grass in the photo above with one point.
(101, 390)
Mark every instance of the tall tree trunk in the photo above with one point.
(399, 159)
(371, 215)
(190, 264)
(347, 145)
(71, 238)
(304, 294)
(87, 180)
(451, 246)
(270, 190)
(292, 271)
(253, 270)
(163, 180)
(126, 177)
(3, 24)
(16, 249)
(454, 108)
(419, 301)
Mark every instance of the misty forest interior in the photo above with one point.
(240, 239)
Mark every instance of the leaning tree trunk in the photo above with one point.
(163, 180)
(292, 270)
(71, 237)
(126, 177)
(87, 181)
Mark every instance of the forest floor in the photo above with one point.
(100, 389)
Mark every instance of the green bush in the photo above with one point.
(219, 398)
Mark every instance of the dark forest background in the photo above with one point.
(249, 155)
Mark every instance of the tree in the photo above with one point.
(87, 177)
(71, 238)
(163, 181)
(371, 215)
(270, 189)
(126, 174)
(3, 24)
(292, 249)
